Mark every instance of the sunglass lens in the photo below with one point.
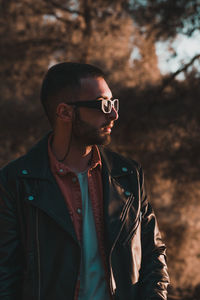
(106, 106)
(116, 104)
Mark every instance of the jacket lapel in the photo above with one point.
(41, 188)
(117, 194)
(114, 205)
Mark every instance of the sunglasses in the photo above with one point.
(104, 104)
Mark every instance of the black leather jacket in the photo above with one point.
(39, 250)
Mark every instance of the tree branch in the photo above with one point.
(170, 78)
(61, 19)
(71, 11)
(191, 31)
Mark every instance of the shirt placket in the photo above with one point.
(97, 207)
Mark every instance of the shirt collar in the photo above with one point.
(62, 169)
(96, 158)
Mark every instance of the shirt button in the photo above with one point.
(74, 179)
(79, 211)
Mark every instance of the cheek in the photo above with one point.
(93, 117)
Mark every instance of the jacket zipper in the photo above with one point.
(122, 216)
(133, 231)
(111, 286)
(124, 212)
(38, 251)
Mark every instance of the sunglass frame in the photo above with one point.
(97, 104)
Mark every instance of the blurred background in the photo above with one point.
(150, 51)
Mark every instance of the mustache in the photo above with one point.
(108, 124)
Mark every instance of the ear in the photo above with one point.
(64, 112)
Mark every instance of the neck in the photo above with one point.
(79, 156)
(79, 159)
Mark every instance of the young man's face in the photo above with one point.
(92, 126)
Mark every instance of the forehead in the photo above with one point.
(92, 88)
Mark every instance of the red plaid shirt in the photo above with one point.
(69, 185)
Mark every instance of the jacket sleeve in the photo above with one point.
(154, 277)
(10, 254)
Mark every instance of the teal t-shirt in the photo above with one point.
(93, 284)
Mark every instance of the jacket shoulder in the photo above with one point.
(32, 160)
(116, 161)
(12, 168)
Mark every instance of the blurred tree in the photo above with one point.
(165, 19)
(36, 34)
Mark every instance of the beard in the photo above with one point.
(87, 134)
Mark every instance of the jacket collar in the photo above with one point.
(115, 190)
(36, 163)
(116, 164)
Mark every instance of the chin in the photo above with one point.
(105, 140)
(99, 140)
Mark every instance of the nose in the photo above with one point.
(113, 115)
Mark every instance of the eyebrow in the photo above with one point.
(97, 98)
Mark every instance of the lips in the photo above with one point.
(107, 128)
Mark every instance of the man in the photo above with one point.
(74, 219)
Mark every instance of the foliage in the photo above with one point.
(167, 17)
(35, 34)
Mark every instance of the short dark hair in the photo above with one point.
(63, 80)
